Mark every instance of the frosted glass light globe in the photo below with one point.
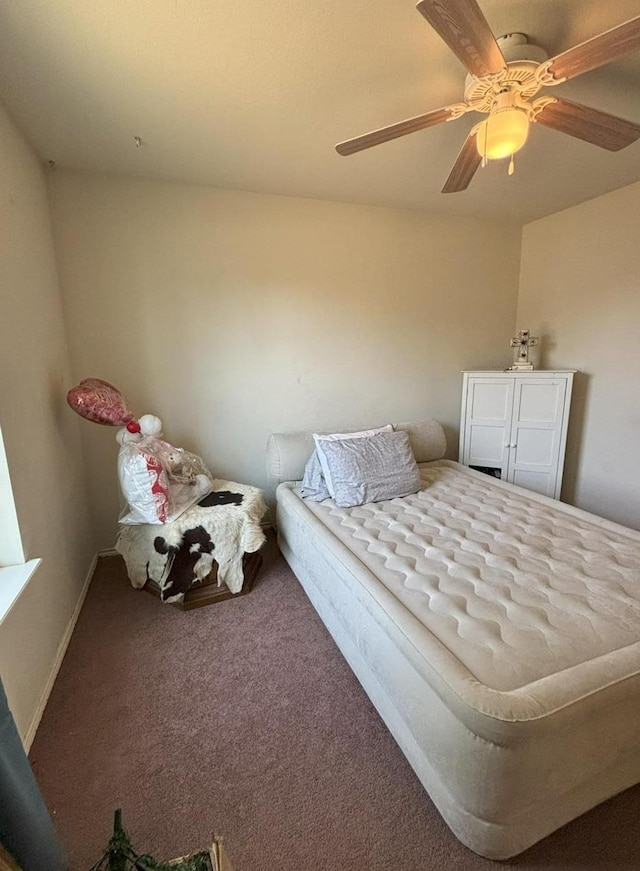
(503, 133)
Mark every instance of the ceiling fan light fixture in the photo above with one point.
(503, 133)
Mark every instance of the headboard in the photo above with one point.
(288, 452)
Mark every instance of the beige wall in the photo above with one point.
(232, 314)
(41, 436)
(580, 290)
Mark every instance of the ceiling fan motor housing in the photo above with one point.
(523, 59)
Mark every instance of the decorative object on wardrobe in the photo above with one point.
(513, 425)
(523, 341)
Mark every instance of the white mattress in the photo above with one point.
(514, 589)
(497, 632)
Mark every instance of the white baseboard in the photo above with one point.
(27, 739)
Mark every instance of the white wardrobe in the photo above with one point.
(514, 426)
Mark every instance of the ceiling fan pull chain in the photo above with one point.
(512, 166)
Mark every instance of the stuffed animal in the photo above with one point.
(152, 474)
(158, 480)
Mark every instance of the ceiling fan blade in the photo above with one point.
(589, 124)
(597, 51)
(465, 30)
(464, 169)
(393, 131)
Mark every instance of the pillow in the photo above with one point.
(338, 436)
(369, 468)
(314, 487)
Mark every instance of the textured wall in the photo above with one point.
(232, 315)
(41, 436)
(579, 282)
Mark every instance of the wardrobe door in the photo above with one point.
(487, 420)
(536, 436)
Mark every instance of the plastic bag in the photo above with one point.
(158, 480)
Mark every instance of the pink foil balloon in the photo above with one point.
(100, 402)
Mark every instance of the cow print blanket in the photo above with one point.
(224, 526)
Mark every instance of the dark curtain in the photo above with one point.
(26, 830)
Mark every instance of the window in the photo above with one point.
(11, 551)
(14, 571)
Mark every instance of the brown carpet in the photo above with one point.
(243, 718)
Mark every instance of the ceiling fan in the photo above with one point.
(504, 77)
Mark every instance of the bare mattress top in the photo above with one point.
(517, 587)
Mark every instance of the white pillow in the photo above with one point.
(372, 469)
(322, 488)
(313, 486)
(338, 436)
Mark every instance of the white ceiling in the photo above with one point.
(255, 95)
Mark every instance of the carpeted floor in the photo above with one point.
(243, 718)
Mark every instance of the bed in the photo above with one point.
(496, 631)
